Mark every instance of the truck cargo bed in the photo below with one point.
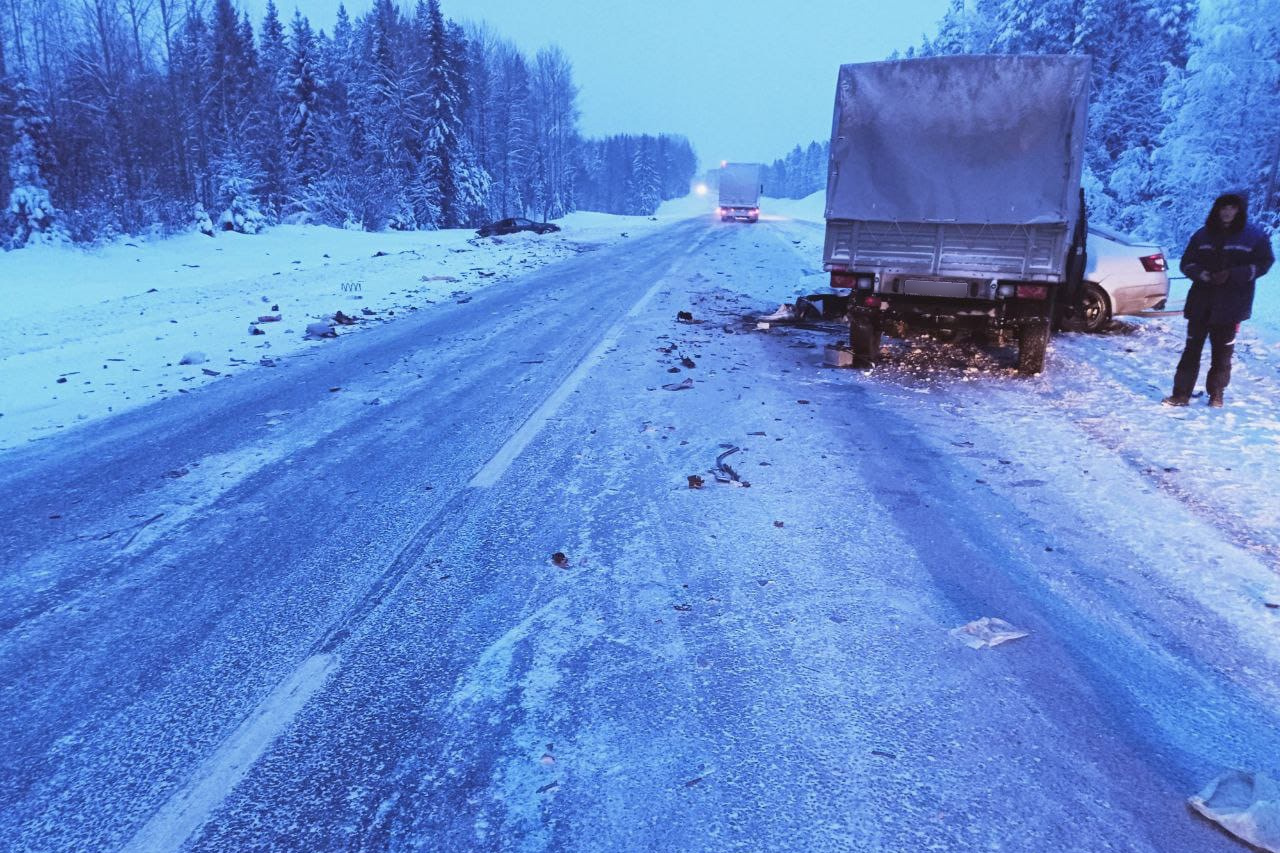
(1022, 252)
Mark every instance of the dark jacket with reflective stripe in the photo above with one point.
(1243, 250)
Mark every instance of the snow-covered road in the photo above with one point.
(314, 607)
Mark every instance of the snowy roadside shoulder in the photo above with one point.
(98, 331)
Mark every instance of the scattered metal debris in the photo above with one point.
(725, 473)
(1245, 804)
(987, 632)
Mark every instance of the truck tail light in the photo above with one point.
(1033, 291)
(1154, 263)
(844, 280)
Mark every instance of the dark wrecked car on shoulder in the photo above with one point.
(514, 224)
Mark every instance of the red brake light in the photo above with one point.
(1154, 263)
(1033, 291)
(843, 280)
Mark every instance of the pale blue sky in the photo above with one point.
(742, 80)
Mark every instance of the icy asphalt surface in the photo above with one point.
(315, 608)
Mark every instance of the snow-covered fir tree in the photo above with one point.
(442, 127)
(644, 187)
(30, 213)
(1225, 107)
(269, 121)
(301, 96)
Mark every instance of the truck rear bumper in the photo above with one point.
(942, 313)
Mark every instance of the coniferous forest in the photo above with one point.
(1185, 102)
(126, 116)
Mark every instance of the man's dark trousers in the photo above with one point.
(1222, 345)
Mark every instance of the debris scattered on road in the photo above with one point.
(335, 388)
(695, 482)
(726, 473)
(321, 329)
(679, 386)
(207, 372)
(684, 317)
(343, 320)
(779, 524)
(194, 357)
(694, 781)
(550, 786)
(1245, 804)
(838, 355)
(269, 318)
(254, 330)
(986, 632)
(688, 362)
(560, 560)
(176, 473)
(683, 608)
(883, 754)
(786, 311)
(803, 402)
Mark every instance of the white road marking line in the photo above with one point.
(501, 461)
(190, 808)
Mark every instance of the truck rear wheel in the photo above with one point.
(864, 340)
(1033, 343)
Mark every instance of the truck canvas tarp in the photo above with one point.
(951, 176)
(740, 191)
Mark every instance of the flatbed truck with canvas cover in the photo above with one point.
(953, 197)
(740, 188)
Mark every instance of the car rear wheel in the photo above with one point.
(1091, 314)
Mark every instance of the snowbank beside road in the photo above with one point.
(97, 331)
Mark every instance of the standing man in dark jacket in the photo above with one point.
(1222, 259)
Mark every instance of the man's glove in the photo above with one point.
(1220, 277)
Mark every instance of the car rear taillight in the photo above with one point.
(845, 280)
(1033, 291)
(1154, 263)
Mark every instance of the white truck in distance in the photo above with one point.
(740, 189)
